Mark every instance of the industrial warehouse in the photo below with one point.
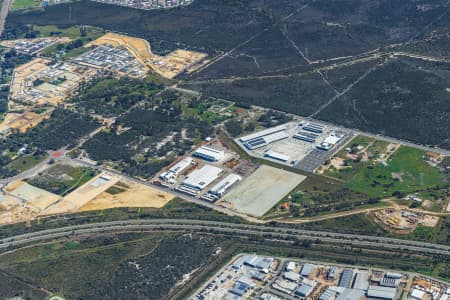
(199, 179)
(204, 174)
(250, 276)
(302, 144)
(217, 175)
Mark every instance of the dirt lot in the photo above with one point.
(167, 66)
(128, 194)
(23, 202)
(32, 196)
(22, 121)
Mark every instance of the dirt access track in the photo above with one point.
(167, 66)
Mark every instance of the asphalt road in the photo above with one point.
(224, 227)
(4, 13)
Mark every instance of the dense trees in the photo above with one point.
(111, 96)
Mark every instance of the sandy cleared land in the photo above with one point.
(31, 195)
(85, 193)
(22, 121)
(167, 66)
(128, 194)
(23, 202)
(260, 191)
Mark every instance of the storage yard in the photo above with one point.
(250, 276)
(404, 221)
(260, 191)
(216, 174)
(301, 144)
(168, 66)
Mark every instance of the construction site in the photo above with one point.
(41, 82)
(20, 201)
(403, 221)
(112, 58)
(168, 66)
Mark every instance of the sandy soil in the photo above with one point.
(22, 121)
(136, 195)
(167, 66)
(78, 198)
(31, 195)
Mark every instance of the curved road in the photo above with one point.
(224, 227)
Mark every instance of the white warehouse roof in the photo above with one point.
(333, 139)
(201, 178)
(278, 156)
(181, 165)
(209, 153)
(262, 133)
(417, 294)
(381, 292)
(220, 188)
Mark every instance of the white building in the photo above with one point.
(209, 153)
(224, 185)
(417, 294)
(290, 267)
(277, 156)
(201, 178)
(176, 170)
(330, 141)
(265, 137)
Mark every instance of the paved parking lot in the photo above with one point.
(317, 157)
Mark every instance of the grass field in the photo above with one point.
(25, 162)
(61, 179)
(24, 4)
(73, 32)
(415, 175)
